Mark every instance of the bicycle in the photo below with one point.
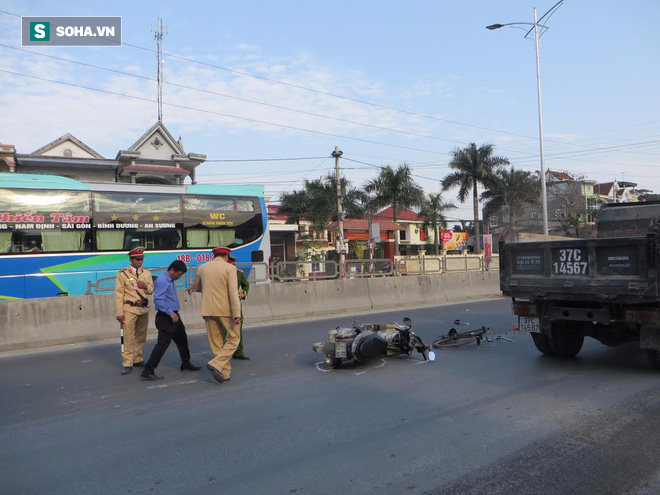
(455, 338)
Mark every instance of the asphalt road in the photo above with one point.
(491, 419)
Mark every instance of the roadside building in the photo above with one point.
(356, 233)
(413, 237)
(283, 235)
(616, 192)
(155, 158)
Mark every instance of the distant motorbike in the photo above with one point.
(364, 342)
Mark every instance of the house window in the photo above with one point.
(493, 221)
(559, 213)
(402, 235)
(536, 215)
(67, 153)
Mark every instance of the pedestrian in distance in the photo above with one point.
(243, 289)
(168, 322)
(132, 286)
(221, 310)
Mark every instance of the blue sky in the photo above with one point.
(388, 82)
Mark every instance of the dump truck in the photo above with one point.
(605, 287)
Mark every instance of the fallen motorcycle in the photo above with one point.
(361, 343)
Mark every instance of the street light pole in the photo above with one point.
(544, 193)
(340, 215)
(535, 27)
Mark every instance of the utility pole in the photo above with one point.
(159, 53)
(340, 216)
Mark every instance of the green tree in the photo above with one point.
(473, 167)
(317, 202)
(395, 188)
(512, 188)
(434, 208)
(293, 204)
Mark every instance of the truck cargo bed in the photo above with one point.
(607, 269)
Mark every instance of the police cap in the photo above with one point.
(137, 252)
(221, 251)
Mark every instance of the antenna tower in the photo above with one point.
(159, 53)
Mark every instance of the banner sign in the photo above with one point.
(454, 241)
(488, 248)
(32, 220)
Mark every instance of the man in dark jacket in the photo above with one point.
(168, 322)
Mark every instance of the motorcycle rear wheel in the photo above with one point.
(452, 341)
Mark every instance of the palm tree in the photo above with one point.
(395, 188)
(293, 205)
(513, 188)
(317, 202)
(434, 209)
(473, 166)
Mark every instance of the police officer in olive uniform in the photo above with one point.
(243, 289)
(132, 286)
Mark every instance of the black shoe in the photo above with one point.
(209, 367)
(139, 365)
(189, 367)
(216, 374)
(150, 376)
(244, 358)
(126, 370)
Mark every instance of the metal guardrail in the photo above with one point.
(369, 268)
(257, 273)
(288, 271)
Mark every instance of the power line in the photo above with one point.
(325, 93)
(247, 100)
(185, 107)
(269, 159)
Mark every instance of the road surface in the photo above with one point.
(491, 419)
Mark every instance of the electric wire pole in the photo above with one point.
(340, 216)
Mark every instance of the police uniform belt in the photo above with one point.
(136, 304)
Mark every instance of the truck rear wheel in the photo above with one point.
(654, 358)
(567, 339)
(542, 343)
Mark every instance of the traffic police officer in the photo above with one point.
(243, 289)
(221, 310)
(132, 286)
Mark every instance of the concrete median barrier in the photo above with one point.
(35, 323)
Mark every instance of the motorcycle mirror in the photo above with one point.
(407, 321)
(431, 356)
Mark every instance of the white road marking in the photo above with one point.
(165, 385)
(383, 363)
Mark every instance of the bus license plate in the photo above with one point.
(340, 349)
(529, 324)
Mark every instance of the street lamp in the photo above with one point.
(535, 27)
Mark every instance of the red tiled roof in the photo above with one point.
(363, 224)
(274, 213)
(603, 188)
(559, 175)
(404, 214)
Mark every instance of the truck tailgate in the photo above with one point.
(619, 269)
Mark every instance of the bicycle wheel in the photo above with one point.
(453, 341)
